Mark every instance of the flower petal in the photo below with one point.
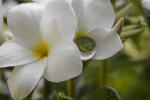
(12, 54)
(64, 62)
(77, 6)
(146, 4)
(24, 78)
(8, 5)
(41, 1)
(58, 20)
(24, 22)
(86, 56)
(2, 36)
(96, 14)
(107, 42)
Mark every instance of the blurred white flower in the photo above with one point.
(146, 4)
(120, 2)
(41, 46)
(41, 1)
(95, 19)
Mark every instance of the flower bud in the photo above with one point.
(133, 20)
(129, 34)
(130, 27)
(118, 26)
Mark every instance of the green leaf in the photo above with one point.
(139, 5)
(105, 93)
(114, 4)
(62, 96)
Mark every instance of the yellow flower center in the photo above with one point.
(80, 34)
(42, 50)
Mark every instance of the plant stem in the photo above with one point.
(86, 63)
(71, 86)
(103, 73)
(47, 90)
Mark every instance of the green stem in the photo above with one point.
(71, 87)
(103, 73)
(86, 63)
(47, 90)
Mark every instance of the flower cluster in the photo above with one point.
(52, 37)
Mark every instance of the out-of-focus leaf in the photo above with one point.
(114, 4)
(62, 96)
(139, 5)
(105, 93)
(89, 76)
(4, 97)
(60, 87)
(130, 34)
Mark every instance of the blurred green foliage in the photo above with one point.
(105, 93)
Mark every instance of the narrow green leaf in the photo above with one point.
(105, 93)
(130, 27)
(124, 11)
(139, 6)
(114, 4)
(130, 34)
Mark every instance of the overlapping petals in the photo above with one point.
(24, 22)
(107, 42)
(96, 18)
(66, 53)
(59, 20)
(77, 6)
(33, 26)
(96, 14)
(24, 78)
(13, 54)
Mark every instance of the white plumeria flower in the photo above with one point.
(95, 19)
(146, 5)
(41, 46)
